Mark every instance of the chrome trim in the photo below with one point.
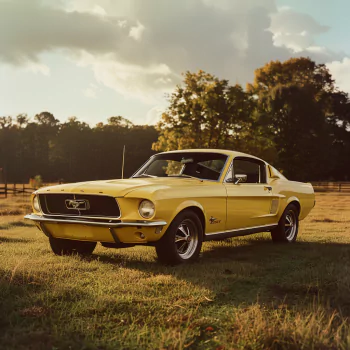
(82, 216)
(38, 218)
(238, 232)
(248, 158)
(241, 178)
(227, 173)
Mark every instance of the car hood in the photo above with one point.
(121, 187)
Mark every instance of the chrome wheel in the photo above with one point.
(182, 241)
(186, 239)
(290, 226)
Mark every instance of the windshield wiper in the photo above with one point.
(145, 175)
(185, 175)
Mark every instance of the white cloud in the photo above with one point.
(28, 29)
(154, 114)
(148, 84)
(294, 30)
(140, 48)
(99, 10)
(340, 71)
(98, 7)
(123, 24)
(137, 31)
(36, 67)
(244, 6)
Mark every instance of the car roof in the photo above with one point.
(220, 151)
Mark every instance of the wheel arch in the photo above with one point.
(296, 202)
(196, 208)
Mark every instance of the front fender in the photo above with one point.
(292, 199)
(186, 204)
(183, 206)
(213, 210)
(170, 214)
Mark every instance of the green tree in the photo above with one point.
(120, 121)
(301, 111)
(46, 119)
(70, 150)
(302, 72)
(22, 120)
(295, 122)
(8, 146)
(206, 112)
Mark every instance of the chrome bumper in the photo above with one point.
(42, 219)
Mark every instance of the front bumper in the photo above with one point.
(38, 218)
(88, 230)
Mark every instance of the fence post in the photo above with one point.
(339, 187)
(14, 189)
(23, 189)
(5, 189)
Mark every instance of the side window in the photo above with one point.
(254, 169)
(215, 164)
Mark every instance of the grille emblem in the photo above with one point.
(78, 204)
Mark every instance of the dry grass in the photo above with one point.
(13, 207)
(244, 293)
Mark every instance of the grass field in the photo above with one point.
(245, 293)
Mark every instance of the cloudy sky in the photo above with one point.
(97, 58)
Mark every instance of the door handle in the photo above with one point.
(269, 188)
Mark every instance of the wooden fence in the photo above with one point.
(15, 190)
(331, 187)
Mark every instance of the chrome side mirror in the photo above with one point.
(240, 178)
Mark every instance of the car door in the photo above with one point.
(248, 203)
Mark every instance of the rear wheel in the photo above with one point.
(183, 240)
(288, 226)
(68, 247)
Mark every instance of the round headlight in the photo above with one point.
(36, 204)
(146, 209)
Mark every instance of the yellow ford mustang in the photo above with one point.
(174, 202)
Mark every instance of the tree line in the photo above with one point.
(292, 115)
(71, 151)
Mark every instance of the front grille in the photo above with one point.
(96, 206)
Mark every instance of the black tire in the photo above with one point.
(68, 247)
(187, 248)
(288, 226)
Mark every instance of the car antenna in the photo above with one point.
(123, 162)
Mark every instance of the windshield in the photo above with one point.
(205, 166)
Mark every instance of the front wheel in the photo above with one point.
(68, 247)
(288, 226)
(183, 240)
